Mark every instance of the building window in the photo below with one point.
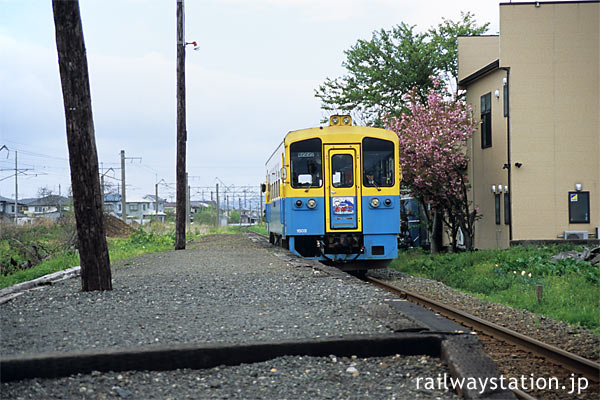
(486, 120)
(133, 207)
(506, 209)
(497, 204)
(579, 207)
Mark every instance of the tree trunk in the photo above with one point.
(437, 231)
(83, 158)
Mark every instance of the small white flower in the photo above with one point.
(529, 275)
(515, 272)
(523, 273)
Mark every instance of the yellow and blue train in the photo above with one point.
(333, 194)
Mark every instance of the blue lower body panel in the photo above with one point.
(303, 229)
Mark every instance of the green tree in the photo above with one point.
(381, 71)
(234, 217)
(444, 43)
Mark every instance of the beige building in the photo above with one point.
(535, 88)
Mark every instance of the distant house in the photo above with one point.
(199, 206)
(7, 209)
(112, 204)
(152, 199)
(170, 206)
(52, 207)
(139, 210)
(152, 213)
(195, 206)
(249, 217)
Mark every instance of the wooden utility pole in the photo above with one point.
(180, 213)
(83, 158)
(123, 199)
(218, 210)
(187, 204)
(156, 199)
(16, 188)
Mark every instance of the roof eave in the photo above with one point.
(493, 66)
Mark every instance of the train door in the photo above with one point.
(342, 188)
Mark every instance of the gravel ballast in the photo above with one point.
(223, 289)
(574, 339)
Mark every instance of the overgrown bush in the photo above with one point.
(23, 247)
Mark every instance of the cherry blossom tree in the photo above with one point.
(433, 142)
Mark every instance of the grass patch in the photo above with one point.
(510, 277)
(151, 239)
(261, 229)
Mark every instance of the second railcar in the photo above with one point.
(333, 194)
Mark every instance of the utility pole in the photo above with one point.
(123, 201)
(16, 188)
(187, 203)
(83, 156)
(181, 181)
(156, 199)
(218, 206)
(260, 210)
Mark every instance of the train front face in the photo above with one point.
(342, 200)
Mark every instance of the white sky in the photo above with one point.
(251, 82)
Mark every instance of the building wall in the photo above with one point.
(486, 165)
(553, 54)
(475, 53)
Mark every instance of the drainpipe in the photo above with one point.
(510, 188)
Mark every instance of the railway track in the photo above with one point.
(543, 352)
(569, 361)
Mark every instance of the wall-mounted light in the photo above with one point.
(505, 189)
(518, 164)
(497, 93)
(499, 189)
(504, 81)
(493, 188)
(578, 187)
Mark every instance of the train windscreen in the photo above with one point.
(306, 163)
(378, 162)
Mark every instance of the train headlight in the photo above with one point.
(298, 203)
(311, 203)
(387, 202)
(374, 202)
(335, 120)
(346, 120)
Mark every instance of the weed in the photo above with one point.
(510, 277)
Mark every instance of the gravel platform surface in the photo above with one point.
(280, 378)
(222, 289)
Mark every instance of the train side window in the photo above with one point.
(378, 162)
(306, 163)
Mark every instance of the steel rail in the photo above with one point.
(570, 361)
